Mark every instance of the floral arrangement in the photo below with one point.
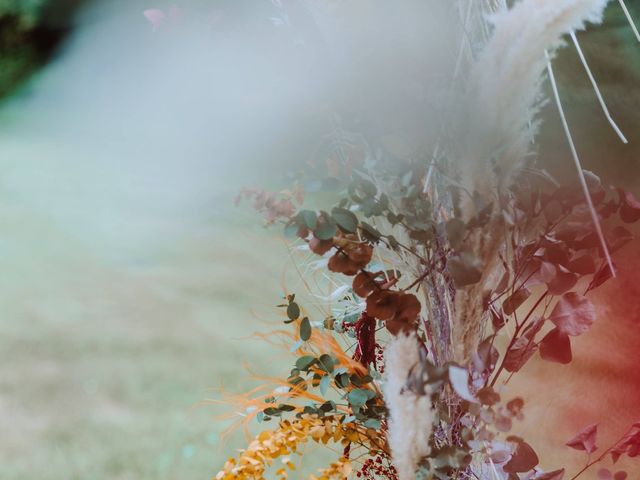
(450, 270)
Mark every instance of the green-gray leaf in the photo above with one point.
(305, 329)
(346, 219)
(327, 363)
(308, 218)
(293, 311)
(359, 396)
(326, 228)
(324, 384)
(303, 363)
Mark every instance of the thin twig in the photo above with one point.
(597, 90)
(629, 19)
(599, 459)
(583, 181)
(515, 337)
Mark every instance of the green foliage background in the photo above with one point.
(29, 32)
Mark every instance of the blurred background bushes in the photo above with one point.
(30, 32)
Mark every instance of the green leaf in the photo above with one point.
(327, 363)
(370, 232)
(310, 410)
(372, 423)
(393, 218)
(305, 329)
(291, 230)
(368, 187)
(326, 228)
(286, 408)
(304, 362)
(359, 396)
(345, 219)
(293, 311)
(359, 381)
(324, 384)
(328, 406)
(393, 243)
(307, 218)
(342, 380)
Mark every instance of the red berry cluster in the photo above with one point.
(377, 467)
(380, 358)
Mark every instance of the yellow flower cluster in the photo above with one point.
(272, 444)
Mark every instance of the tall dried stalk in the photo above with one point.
(411, 414)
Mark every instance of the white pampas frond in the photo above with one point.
(507, 75)
(499, 124)
(411, 415)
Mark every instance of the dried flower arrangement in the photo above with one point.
(453, 269)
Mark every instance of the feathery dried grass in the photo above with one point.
(501, 123)
(411, 415)
(506, 78)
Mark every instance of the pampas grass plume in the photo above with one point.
(411, 415)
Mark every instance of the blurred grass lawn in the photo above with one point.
(100, 367)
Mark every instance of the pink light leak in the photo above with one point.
(158, 18)
(155, 16)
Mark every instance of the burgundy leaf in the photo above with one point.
(512, 303)
(523, 459)
(562, 281)
(600, 277)
(521, 351)
(573, 314)
(486, 358)
(515, 406)
(596, 190)
(586, 439)
(605, 474)
(556, 347)
(523, 348)
(320, 247)
(555, 475)
(497, 319)
(546, 273)
(503, 283)
(630, 207)
(500, 456)
(582, 264)
(629, 444)
(365, 282)
(556, 253)
(382, 304)
(503, 423)
(619, 237)
(488, 396)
